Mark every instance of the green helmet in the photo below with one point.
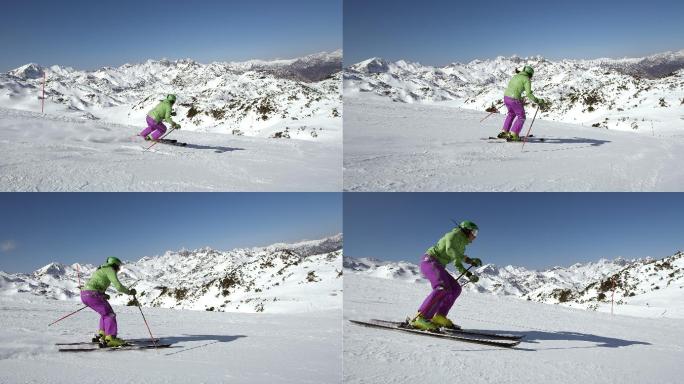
(113, 261)
(468, 225)
(528, 70)
(171, 97)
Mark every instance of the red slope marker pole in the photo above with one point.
(42, 107)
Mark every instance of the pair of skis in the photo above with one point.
(91, 346)
(469, 336)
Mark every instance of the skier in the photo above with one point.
(514, 102)
(93, 295)
(445, 289)
(162, 112)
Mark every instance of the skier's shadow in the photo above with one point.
(217, 149)
(535, 337)
(573, 140)
(212, 339)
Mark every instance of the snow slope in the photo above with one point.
(281, 278)
(390, 146)
(642, 287)
(638, 94)
(561, 345)
(208, 347)
(70, 154)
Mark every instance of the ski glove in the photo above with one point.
(473, 278)
(475, 262)
(176, 126)
(541, 103)
(173, 113)
(132, 292)
(106, 296)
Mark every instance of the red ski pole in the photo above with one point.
(145, 320)
(80, 309)
(529, 129)
(160, 139)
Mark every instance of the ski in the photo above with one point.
(460, 331)
(129, 341)
(172, 142)
(461, 337)
(125, 347)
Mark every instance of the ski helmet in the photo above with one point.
(113, 261)
(469, 226)
(171, 97)
(528, 70)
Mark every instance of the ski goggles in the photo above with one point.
(474, 232)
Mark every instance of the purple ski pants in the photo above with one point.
(515, 109)
(445, 289)
(97, 302)
(156, 129)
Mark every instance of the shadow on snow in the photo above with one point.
(213, 339)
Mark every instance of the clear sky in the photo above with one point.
(535, 230)
(439, 32)
(91, 34)
(39, 228)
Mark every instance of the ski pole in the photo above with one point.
(461, 275)
(80, 309)
(160, 139)
(145, 320)
(529, 129)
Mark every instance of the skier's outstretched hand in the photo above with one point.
(133, 292)
(106, 296)
(475, 262)
(473, 278)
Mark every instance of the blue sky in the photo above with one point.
(38, 228)
(535, 230)
(92, 34)
(438, 32)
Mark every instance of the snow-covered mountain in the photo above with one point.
(297, 98)
(628, 94)
(637, 283)
(279, 278)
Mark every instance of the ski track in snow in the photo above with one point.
(562, 345)
(208, 347)
(53, 153)
(393, 146)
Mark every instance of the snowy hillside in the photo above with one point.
(398, 147)
(281, 278)
(644, 287)
(60, 153)
(560, 345)
(640, 95)
(298, 98)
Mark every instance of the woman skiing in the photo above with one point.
(162, 112)
(432, 314)
(514, 102)
(93, 295)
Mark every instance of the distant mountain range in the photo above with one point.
(627, 94)
(299, 277)
(579, 285)
(296, 98)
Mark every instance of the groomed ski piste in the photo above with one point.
(58, 153)
(392, 146)
(560, 345)
(208, 347)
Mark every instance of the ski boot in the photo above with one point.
(443, 322)
(420, 322)
(149, 137)
(502, 135)
(113, 341)
(98, 336)
(513, 137)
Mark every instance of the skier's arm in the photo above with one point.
(528, 91)
(167, 116)
(115, 281)
(454, 250)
